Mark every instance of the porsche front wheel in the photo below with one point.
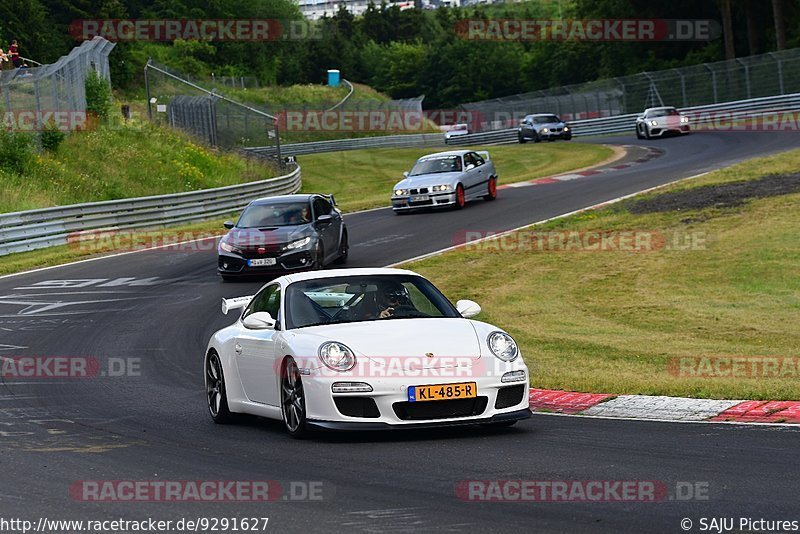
(293, 400)
(216, 394)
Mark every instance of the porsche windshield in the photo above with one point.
(349, 299)
(437, 164)
(275, 214)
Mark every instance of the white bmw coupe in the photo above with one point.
(362, 349)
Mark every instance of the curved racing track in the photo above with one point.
(159, 308)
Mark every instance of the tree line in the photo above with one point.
(406, 53)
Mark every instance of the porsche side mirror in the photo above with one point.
(259, 321)
(228, 224)
(468, 308)
(405, 173)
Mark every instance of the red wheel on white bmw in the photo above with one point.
(461, 199)
(491, 193)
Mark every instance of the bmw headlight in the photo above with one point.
(337, 356)
(566, 128)
(503, 346)
(400, 192)
(441, 188)
(545, 130)
(300, 243)
(653, 123)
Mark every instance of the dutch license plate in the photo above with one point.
(420, 198)
(261, 262)
(464, 390)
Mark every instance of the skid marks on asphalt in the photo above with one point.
(43, 430)
(59, 297)
(417, 519)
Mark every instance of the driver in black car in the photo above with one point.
(395, 302)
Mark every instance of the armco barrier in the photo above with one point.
(30, 230)
(581, 128)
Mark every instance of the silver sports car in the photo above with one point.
(446, 179)
(655, 122)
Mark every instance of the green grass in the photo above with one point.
(120, 162)
(363, 179)
(612, 321)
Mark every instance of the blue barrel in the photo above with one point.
(333, 77)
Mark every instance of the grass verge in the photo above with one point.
(363, 179)
(715, 282)
(120, 161)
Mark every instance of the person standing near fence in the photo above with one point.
(13, 51)
(3, 59)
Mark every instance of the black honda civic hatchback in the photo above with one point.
(282, 234)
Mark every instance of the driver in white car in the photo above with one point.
(395, 301)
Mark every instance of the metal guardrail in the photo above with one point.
(30, 230)
(700, 116)
(336, 145)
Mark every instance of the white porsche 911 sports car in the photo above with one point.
(362, 349)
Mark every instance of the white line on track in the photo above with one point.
(500, 234)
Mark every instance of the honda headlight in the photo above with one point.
(503, 346)
(227, 247)
(441, 188)
(300, 243)
(337, 356)
(400, 192)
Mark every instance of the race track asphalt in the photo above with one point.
(157, 309)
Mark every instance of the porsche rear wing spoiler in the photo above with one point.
(235, 303)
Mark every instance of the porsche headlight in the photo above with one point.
(653, 123)
(400, 192)
(300, 243)
(337, 356)
(503, 346)
(441, 188)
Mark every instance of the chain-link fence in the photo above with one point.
(207, 114)
(34, 97)
(775, 73)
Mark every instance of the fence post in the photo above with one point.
(683, 87)
(147, 91)
(713, 81)
(746, 75)
(780, 71)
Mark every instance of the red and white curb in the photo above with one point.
(663, 408)
(649, 154)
